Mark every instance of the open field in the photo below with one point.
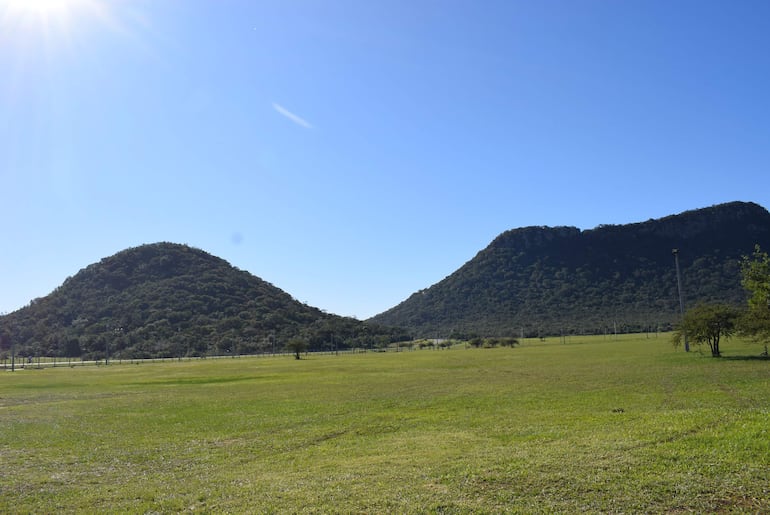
(596, 424)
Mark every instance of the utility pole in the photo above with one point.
(675, 252)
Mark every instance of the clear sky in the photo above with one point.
(352, 152)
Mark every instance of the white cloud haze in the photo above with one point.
(291, 116)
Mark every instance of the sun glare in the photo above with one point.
(37, 33)
(46, 11)
(55, 20)
(42, 7)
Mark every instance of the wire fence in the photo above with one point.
(39, 362)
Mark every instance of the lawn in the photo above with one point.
(594, 424)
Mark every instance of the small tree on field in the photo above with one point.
(755, 278)
(477, 341)
(707, 323)
(297, 345)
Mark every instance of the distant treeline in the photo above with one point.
(169, 300)
(539, 281)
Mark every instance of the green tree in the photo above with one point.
(297, 345)
(476, 341)
(755, 278)
(707, 323)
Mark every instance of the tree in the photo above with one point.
(6, 343)
(297, 345)
(707, 323)
(755, 278)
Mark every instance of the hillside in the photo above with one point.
(172, 300)
(561, 280)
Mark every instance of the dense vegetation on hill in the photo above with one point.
(561, 280)
(173, 300)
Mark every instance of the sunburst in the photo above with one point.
(41, 8)
(48, 15)
(35, 35)
(56, 24)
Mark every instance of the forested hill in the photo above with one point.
(172, 300)
(561, 280)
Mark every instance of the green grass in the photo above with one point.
(598, 425)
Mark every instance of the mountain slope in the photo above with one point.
(553, 280)
(167, 299)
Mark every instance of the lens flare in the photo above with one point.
(55, 21)
(40, 7)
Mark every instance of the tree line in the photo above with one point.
(710, 323)
(549, 281)
(169, 300)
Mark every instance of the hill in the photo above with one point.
(167, 299)
(561, 280)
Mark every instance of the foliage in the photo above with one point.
(169, 300)
(598, 425)
(297, 345)
(493, 342)
(755, 273)
(539, 281)
(707, 323)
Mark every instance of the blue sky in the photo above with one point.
(353, 152)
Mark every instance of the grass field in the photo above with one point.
(596, 424)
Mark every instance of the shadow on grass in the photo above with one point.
(761, 357)
(198, 380)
